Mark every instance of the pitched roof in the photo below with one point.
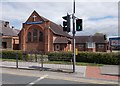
(6, 30)
(61, 40)
(84, 39)
(56, 29)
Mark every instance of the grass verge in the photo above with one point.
(60, 62)
(70, 63)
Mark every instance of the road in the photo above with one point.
(32, 81)
(19, 77)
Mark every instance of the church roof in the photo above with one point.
(56, 29)
(6, 30)
(61, 40)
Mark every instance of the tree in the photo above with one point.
(99, 34)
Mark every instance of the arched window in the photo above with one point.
(35, 35)
(29, 36)
(40, 36)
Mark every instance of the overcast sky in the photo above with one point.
(97, 15)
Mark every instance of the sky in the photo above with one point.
(99, 16)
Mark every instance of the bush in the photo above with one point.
(59, 56)
(11, 54)
(89, 57)
(100, 58)
(25, 56)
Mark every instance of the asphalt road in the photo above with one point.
(18, 79)
(22, 80)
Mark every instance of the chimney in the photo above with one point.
(12, 27)
(6, 24)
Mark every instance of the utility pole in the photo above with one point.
(74, 57)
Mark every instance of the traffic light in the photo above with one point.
(78, 24)
(66, 24)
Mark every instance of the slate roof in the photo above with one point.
(7, 31)
(84, 39)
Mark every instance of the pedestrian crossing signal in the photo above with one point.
(79, 25)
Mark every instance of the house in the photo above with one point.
(41, 34)
(91, 43)
(9, 36)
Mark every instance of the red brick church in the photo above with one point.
(41, 34)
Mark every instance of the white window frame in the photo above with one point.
(90, 44)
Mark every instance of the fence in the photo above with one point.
(39, 61)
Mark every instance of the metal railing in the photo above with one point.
(39, 61)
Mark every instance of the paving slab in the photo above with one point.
(80, 70)
(110, 70)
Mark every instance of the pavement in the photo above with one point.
(106, 72)
(102, 73)
(19, 73)
(110, 70)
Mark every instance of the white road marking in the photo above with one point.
(32, 83)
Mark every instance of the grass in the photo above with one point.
(8, 59)
(77, 63)
(60, 62)
(12, 60)
(88, 64)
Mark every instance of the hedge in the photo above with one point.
(100, 58)
(59, 56)
(89, 57)
(11, 54)
(25, 56)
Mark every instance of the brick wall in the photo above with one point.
(46, 45)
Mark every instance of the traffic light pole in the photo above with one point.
(74, 57)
